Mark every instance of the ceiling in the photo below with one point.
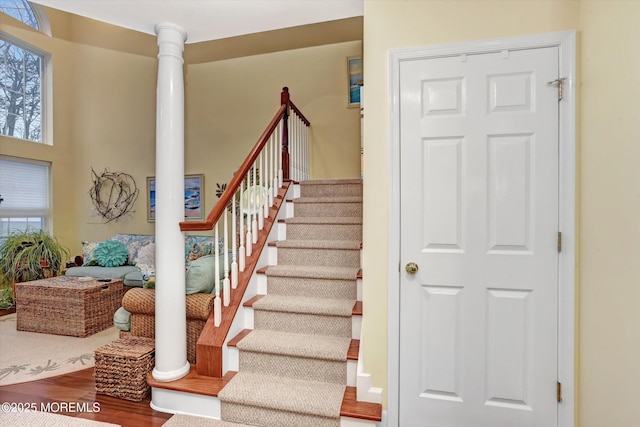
(206, 20)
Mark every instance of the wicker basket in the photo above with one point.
(66, 305)
(122, 367)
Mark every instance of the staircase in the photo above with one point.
(294, 361)
(299, 355)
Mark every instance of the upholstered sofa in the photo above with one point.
(140, 262)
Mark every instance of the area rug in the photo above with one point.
(46, 419)
(30, 356)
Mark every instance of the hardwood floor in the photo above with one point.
(78, 390)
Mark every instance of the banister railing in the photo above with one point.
(280, 154)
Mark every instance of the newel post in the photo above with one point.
(284, 100)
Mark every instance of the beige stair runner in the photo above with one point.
(293, 365)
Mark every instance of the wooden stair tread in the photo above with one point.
(362, 410)
(357, 308)
(193, 383)
(251, 301)
(211, 386)
(352, 353)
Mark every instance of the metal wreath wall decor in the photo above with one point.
(113, 194)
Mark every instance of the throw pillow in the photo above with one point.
(88, 248)
(146, 255)
(111, 253)
(122, 319)
(201, 274)
(199, 250)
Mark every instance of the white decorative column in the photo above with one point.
(171, 319)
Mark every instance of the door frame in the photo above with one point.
(566, 43)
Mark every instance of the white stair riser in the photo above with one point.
(352, 366)
(356, 422)
(282, 231)
(289, 209)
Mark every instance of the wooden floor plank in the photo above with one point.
(77, 388)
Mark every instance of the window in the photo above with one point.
(20, 10)
(20, 91)
(21, 75)
(24, 190)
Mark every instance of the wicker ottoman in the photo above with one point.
(122, 366)
(65, 305)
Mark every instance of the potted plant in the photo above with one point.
(31, 255)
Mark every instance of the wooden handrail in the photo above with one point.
(299, 113)
(238, 177)
(281, 115)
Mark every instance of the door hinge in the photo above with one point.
(559, 392)
(560, 83)
(559, 241)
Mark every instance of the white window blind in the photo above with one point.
(24, 188)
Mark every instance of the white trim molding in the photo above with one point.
(565, 41)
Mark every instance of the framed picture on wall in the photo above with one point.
(193, 197)
(355, 78)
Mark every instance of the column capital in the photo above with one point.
(165, 28)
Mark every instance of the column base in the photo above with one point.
(166, 376)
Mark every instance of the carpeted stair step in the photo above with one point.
(324, 228)
(301, 356)
(184, 420)
(304, 315)
(328, 206)
(312, 281)
(331, 188)
(327, 253)
(266, 400)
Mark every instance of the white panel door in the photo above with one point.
(479, 216)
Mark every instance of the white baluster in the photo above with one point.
(306, 151)
(249, 239)
(226, 283)
(259, 194)
(217, 302)
(296, 127)
(271, 170)
(234, 242)
(254, 210)
(280, 175)
(265, 182)
(276, 152)
(241, 250)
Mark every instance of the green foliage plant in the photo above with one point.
(31, 255)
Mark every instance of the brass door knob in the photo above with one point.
(412, 268)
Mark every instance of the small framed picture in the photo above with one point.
(193, 197)
(355, 78)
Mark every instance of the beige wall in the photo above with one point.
(610, 202)
(103, 117)
(230, 102)
(608, 343)
(104, 83)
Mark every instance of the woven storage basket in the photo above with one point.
(122, 366)
(66, 305)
